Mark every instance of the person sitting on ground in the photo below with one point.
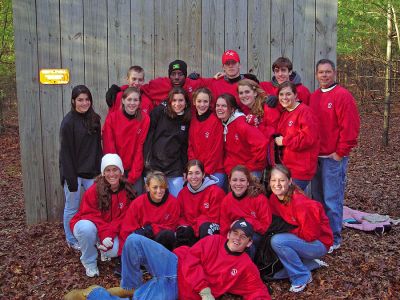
(246, 200)
(154, 214)
(135, 78)
(299, 251)
(200, 202)
(212, 267)
(101, 212)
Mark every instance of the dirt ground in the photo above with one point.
(36, 264)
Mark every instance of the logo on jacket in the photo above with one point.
(183, 127)
(190, 89)
(236, 137)
(139, 130)
(234, 272)
(290, 123)
(206, 205)
(253, 214)
(207, 134)
(120, 205)
(166, 216)
(330, 105)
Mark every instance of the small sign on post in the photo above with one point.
(54, 76)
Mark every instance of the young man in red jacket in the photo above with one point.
(212, 267)
(339, 125)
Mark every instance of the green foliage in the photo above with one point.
(362, 25)
(7, 53)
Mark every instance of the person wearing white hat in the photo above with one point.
(102, 210)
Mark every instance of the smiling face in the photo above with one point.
(279, 183)
(112, 174)
(82, 103)
(156, 189)
(231, 68)
(195, 177)
(239, 183)
(282, 74)
(178, 103)
(238, 241)
(202, 103)
(131, 103)
(222, 109)
(247, 95)
(326, 75)
(287, 98)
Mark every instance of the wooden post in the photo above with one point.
(386, 113)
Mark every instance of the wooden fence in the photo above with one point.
(97, 40)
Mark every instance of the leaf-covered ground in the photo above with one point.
(36, 264)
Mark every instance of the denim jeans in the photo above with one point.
(101, 293)
(72, 202)
(85, 232)
(301, 183)
(328, 187)
(175, 184)
(222, 180)
(158, 261)
(296, 255)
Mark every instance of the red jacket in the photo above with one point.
(308, 215)
(108, 223)
(269, 122)
(143, 211)
(339, 121)
(255, 210)
(244, 145)
(209, 263)
(157, 89)
(300, 140)
(145, 104)
(126, 138)
(200, 207)
(302, 92)
(206, 143)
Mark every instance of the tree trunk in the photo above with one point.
(386, 113)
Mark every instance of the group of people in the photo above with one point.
(189, 176)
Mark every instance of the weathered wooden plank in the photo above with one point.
(95, 45)
(259, 51)
(166, 37)
(304, 41)
(119, 53)
(236, 29)
(142, 36)
(212, 39)
(72, 54)
(326, 35)
(48, 30)
(189, 33)
(25, 31)
(281, 29)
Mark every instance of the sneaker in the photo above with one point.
(321, 263)
(299, 288)
(333, 248)
(75, 246)
(92, 271)
(104, 257)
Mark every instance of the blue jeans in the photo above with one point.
(85, 232)
(328, 187)
(296, 255)
(101, 293)
(301, 183)
(175, 184)
(72, 202)
(158, 261)
(222, 180)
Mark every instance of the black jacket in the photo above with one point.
(80, 152)
(166, 145)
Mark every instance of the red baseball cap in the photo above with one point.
(230, 55)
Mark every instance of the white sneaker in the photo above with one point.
(92, 271)
(104, 257)
(321, 263)
(75, 247)
(333, 248)
(299, 288)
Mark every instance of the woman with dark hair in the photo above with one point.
(206, 136)
(246, 200)
(101, 212)
(154, 214)
(80, 153)
(124, 132)
(243, 144)
(300, 249)
(298, 135)
(200, 202)
(167, 141)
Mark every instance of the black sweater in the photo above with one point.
(80, 152)
(166, 145)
